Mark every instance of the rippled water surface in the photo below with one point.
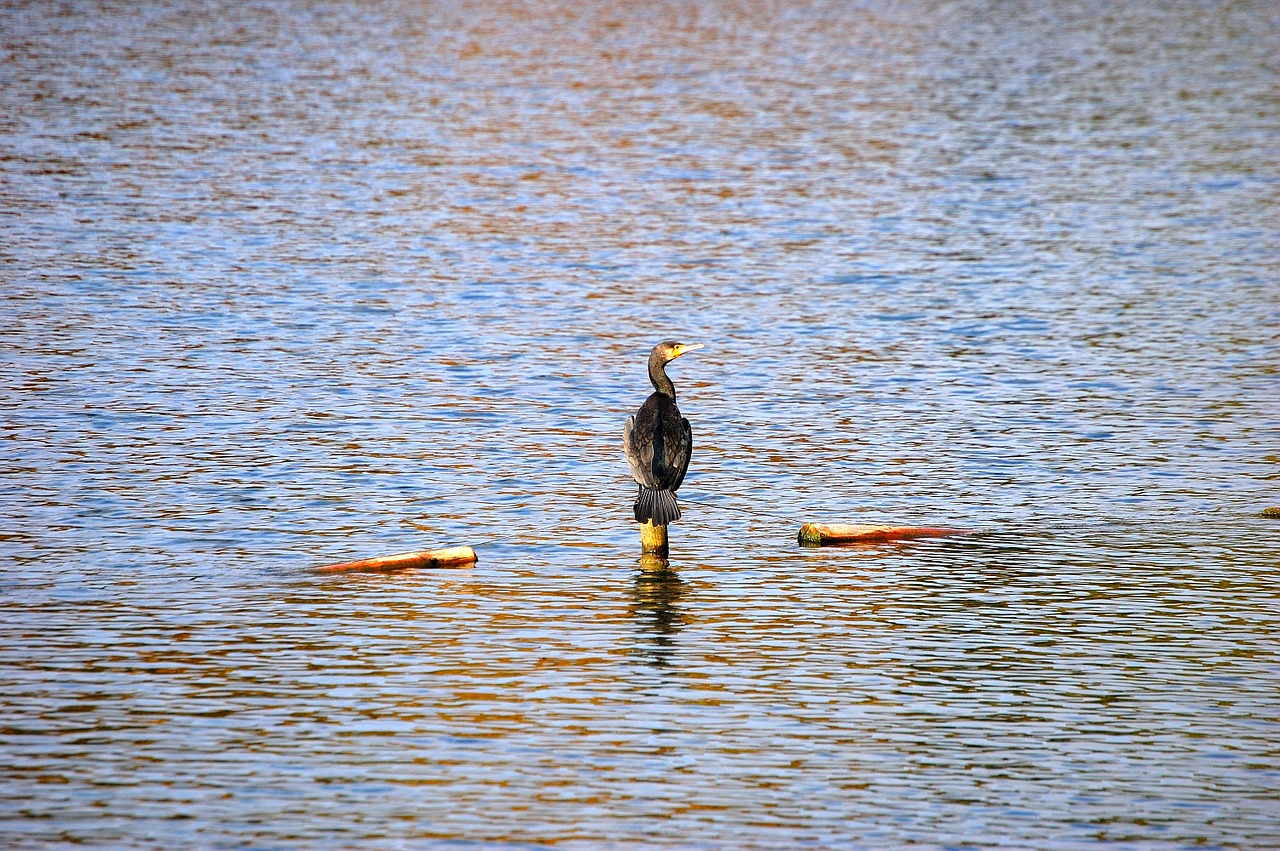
(289, 283)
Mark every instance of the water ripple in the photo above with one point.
(286, 284)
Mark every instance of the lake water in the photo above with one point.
(291, 283)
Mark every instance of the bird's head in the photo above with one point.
(670, 350)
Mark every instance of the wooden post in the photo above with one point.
(654, 563)
(450, 557)
(653, 539)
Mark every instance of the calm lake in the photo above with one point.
(289, 283)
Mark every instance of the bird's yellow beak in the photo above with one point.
(681, 349)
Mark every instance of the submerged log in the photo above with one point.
(450, 557)
(825, 534)
(653, 539)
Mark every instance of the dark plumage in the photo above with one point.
(658, 441)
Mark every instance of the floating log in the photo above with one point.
(450, 557)
(825, 534)
(653, 539)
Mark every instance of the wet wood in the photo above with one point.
(654, 563)
(450, 557)
(824, 534)
(653, 539)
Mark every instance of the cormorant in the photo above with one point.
(658, 441)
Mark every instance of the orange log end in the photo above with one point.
(825, 534)
(451, 557)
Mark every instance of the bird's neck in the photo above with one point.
(658, 376)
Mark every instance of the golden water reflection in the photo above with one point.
(655, 607)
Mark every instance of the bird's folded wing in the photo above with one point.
(639, 454)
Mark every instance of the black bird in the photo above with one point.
(658, 441)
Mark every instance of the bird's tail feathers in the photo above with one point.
(657, 506)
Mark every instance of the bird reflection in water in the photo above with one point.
(654, 605)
